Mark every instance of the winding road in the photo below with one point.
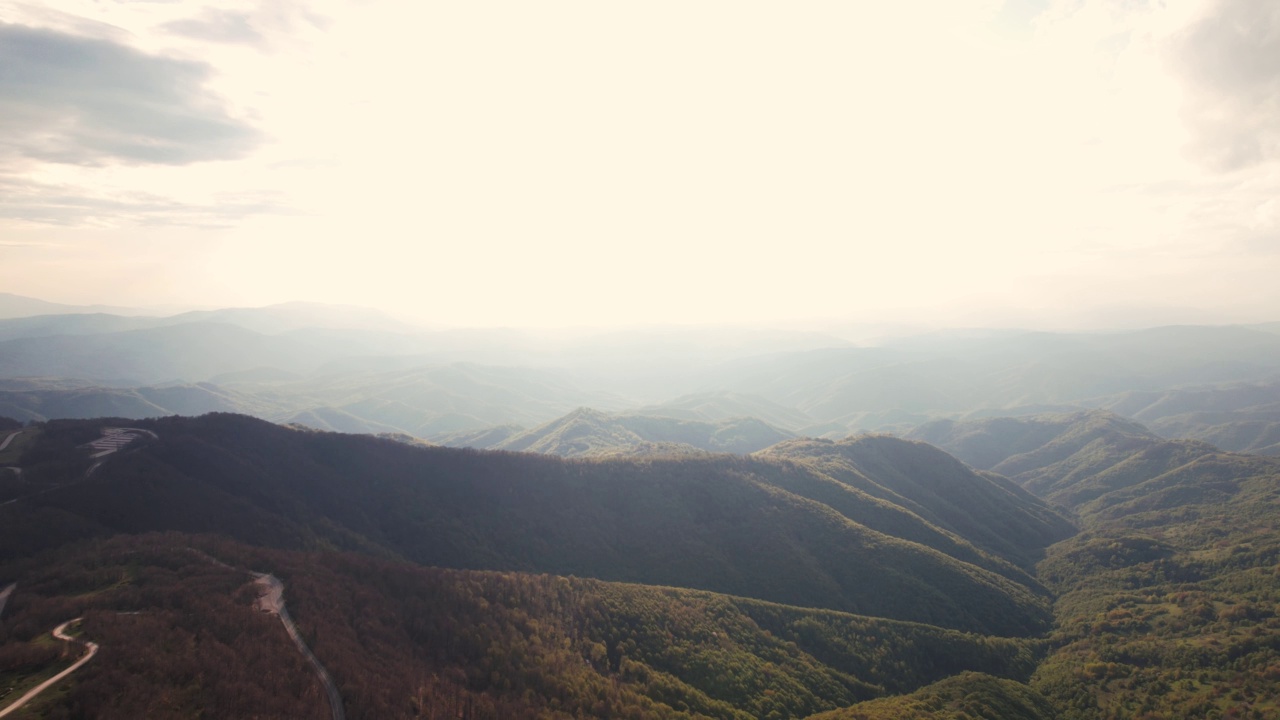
(59, 633)
(9, 439)
(272, 600)
(3, 445)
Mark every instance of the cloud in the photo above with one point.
(24, 244)
(264, 24)
(1228, 60)
(69, 205)
(86, 101)
(223, 26)
(50, 18)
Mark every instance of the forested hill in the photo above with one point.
(719, 523)
(180, 638)
(586, 432)
(991, 512)
(1099, 464)
(1164, 603)
(1014, 445)
(1166, 599)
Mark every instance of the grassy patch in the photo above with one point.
(16, 683)
(20, 443)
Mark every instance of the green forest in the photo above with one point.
(869, 578)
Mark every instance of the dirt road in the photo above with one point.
(58, 632)
(272, 600)
(4, 596)
(9, 439)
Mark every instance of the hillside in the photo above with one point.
(1098, 464)
(987, 510)
(719, 523)
(429, 401)
(423, 401)
(909, 381)
(343, 368)
(142, 402)
(586, 432)
(479, 439)
(173, 613)
(1236, 417)
(335, 420)
(70, 324)
(1166, 598)
(967, 696)
(1163, 605)
(1166, 603)
(28, 318)
(19, 306)
(717, 406)
(987, 443)
(190, 352)
(1255, 431)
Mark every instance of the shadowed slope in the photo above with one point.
(716, 522)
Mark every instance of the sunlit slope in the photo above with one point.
(1238, 417)
(1098, 464)
(479, 439)
(967, 696)
(586, 432)
(1167, 599)
(987, 510)
(716, 406)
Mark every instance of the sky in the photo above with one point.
(1032, 163)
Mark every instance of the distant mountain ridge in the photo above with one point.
(135, 403)
(714, 406)
(422, 401)
(586, 432)
(29, 317)
(913, 380)
(344, 368)
(189, 352)
(1098, 464)
(1235, 417)
(18, 306)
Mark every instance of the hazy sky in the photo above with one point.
(561, 163)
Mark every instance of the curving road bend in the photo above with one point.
(272, 600)
(9, 439)
(59, 633)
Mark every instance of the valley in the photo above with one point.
(223, 484)
(832, 533)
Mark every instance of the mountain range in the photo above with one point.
(357, 370)
(728, 524)
(871, 577)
